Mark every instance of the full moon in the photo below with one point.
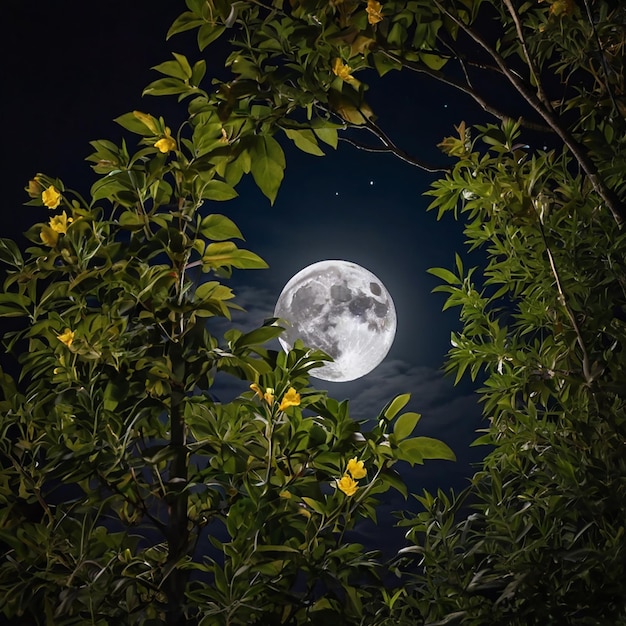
(343, 309)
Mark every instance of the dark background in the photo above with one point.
(70, 67)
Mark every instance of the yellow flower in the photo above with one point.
(357, 469)
(66, 337)
(268, 395)
(374, 12)
(59, 223)
(166, 143)
(224, 137)
(257, 390)
(347, 485)
(51, 197)
(562, 7)
(291, 398)
(49, 236)
(342, 70)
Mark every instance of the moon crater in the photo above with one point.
(343, 309)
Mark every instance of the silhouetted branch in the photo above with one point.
(466, 89)
(400, 154)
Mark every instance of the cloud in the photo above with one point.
(432, 394)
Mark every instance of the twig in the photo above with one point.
(407, 158)
(605, 67)
(563, 300)
(541, 94)
(388, 145)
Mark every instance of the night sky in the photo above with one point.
(70, 67)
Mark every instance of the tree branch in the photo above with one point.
(177, 528)
(388, 147)
(466, 89)
(403, 156)
(377, 131)
(605, 66)
(587, 373)
(541, 94)
(615, 206)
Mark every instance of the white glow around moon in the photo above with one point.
(343, 309)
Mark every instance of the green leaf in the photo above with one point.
(13, 305)
(259, 336)
(327, 135)
(392, 478)
(218, 190)
(246, 260)
(198, 72)
(318, 507)
(219, 228)
(445, 275)
(396, 405)
(432, 448)
(384, 64)
(226, 254)
(207, 34)
(131, 122)
(165, 87)
(181, 59)
(433, 61)
(305, 140)
(171, 68)
(405, 425)
(186, 21)
(10, 253)
(213, 290)
(267, 165)
(410, 451)
(131, 220)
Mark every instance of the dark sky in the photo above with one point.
(70, 67)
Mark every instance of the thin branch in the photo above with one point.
(605, 66)
(403, 156)
(615, 206)
(388, 146)
(451, 82)
(541, 94)
(587, 373)
(378, 132)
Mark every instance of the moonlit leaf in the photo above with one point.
(218, 190)
(267, 164)
(444, 274)
(305, 140)
(396, 405)
(433, 448)
(405, 424)
(219, 228)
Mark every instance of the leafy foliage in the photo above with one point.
(117, 462)
(128, 491)
(543, 320)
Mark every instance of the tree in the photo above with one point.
(543, 330)
(129, 493)
(543, 321)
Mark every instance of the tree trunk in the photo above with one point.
(177, 528)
